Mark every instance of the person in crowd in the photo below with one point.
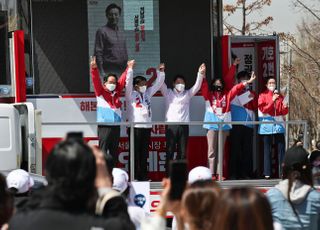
(66, 203)
(271, 107)
(315, 162)
(121, 184)
(295, 203)
(6, 203)
(218, 100)
(194, 211)
(198, 177)
(202, 190)
(110, 43)
(199, 173)
(198, 204)
(109, 107)
(20, 184)
(178, 110)
(243, 108)
(138, 101)
(298, 141)
(242, 208)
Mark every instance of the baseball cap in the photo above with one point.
(296, 155)
(120, 180)
(20, 180)
(199, 173)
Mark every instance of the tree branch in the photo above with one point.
(305, 90)
(306, 53)
(305, 27)
(308, 9)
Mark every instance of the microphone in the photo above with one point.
(274, 93)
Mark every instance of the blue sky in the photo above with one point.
(286, 17)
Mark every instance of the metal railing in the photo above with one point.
(131, 125)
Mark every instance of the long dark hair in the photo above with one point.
(6, 202)
(243, 208)
(71, 171)
(297, 171)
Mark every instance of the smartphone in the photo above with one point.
(77, 136)
(178, 177)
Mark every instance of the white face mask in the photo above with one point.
(142, 89)
(271, 88)
(180, 87)
(111, 87)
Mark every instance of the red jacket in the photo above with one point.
(220, 99)
(223, 99)
(112, 98)
(230, 82)
(267, 106)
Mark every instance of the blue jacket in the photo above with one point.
(308, 209)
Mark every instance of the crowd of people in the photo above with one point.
(84, 191)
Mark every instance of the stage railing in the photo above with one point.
(191, 123)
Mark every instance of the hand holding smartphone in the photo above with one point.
(178, 177)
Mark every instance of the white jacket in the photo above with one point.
(178, 103)
(139, 105)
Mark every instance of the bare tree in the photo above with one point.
(246, 7)
(305, 71)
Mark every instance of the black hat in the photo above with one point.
(296, 155)
(314, 154)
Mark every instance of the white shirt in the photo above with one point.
(178, 103)
(138, 104)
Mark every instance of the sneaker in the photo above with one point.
(267, 177)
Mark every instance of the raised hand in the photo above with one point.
(103, 179)
(252, 78)
(202, 69)
(161, 67)
(93, 63)
(131, 63)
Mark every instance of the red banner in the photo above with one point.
(266, 62)
(196, 154)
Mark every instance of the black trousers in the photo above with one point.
(141, 152)
(241, 162)
(176, 140)
(109, 140)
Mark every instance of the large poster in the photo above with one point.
(246, 52)
(120, 30)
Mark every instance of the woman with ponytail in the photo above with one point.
(294, 201)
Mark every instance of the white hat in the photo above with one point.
(199, 173)
(20, 180)
(120, 179)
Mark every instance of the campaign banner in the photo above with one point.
(246, 52)
(266, 61)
